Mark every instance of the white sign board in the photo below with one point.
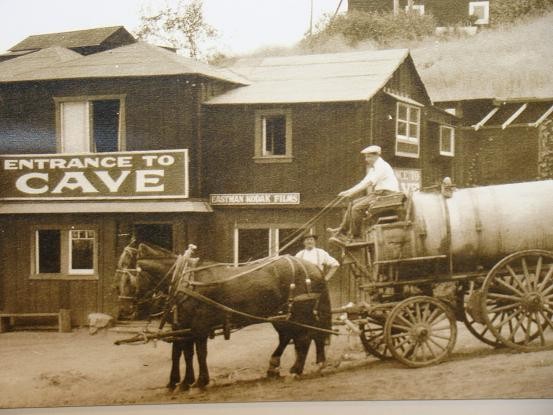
(410, 180)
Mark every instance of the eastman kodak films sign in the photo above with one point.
(121, 175)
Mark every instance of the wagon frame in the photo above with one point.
(509, 304)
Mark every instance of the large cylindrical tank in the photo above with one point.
(481, 225)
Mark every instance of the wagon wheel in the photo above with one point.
(477, 329)
(420, 331)
(517, 300)
(372, 336)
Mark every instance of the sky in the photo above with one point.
(243, 25)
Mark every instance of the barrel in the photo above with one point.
(479, 226)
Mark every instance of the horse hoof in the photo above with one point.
(171, 386)
(321, 366)
(273, 374)
(183, 387)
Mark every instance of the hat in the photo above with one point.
(372, 150)
(309, 235)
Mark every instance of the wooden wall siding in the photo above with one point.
(406, 82)
(329, 135)
(446, 12)
(161, 113)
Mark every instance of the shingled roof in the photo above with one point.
(76, 39)
(136, 60)
(333, 77)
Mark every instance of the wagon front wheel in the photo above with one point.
(420, 331)
(372, 336)
(517, 300)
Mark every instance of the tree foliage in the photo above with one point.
(378, 27)
(510, 11)
(182, 27)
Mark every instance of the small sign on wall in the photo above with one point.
(118, 175)
(410, 180)
(247, 199)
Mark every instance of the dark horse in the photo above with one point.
(283, 286)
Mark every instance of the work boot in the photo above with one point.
(334, 231)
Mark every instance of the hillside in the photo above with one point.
(515, 62)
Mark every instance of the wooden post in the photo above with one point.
(4, 324)
(396, 7)
(64, 321)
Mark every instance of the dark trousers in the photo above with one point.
(356, 212)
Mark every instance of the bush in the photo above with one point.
(510, 11)
(381, 28)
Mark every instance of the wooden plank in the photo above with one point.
(29, 314)
(514, 116)
(543, 117)
(486, 119)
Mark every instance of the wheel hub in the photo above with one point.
(421, 332)
(532, 302)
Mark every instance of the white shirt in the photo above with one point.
(380, 175)
(318, 257)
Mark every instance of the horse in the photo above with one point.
(287, 286)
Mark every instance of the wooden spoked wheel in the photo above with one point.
(420, 331)
(517, 300)
(479, 330)
(372, 335)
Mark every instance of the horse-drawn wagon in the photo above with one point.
(479, 255)
(483, 256)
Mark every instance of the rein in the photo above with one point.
(206, 300)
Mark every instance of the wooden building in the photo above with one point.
(446, 12)
(97, 145)
(297, 131)
(504, 140)
(94, 148)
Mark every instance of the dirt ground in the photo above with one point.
(55, 369)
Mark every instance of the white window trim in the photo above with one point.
(273, 234)
(121, 139)
(416, 7)
(65, 271)
(452, 144)
(259, 130)
(407, 139)
(71, 270)
(486, 5)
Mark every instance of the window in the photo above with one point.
(48, 256)
(273, 130)
(480, 9)
(90, 124)
(81, 252)
(447, 141)
(65, 252)
(419, 8)
(408, 120)
(258, 241)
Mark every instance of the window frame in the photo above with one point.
(259, 146)
(121, 136)
(486, 18)
(452, 140)
(273, 233)
(65, 251)
(408, 139)
(79, 271)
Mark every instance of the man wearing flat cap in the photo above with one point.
(322, 259)
(379, 181)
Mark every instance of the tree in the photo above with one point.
(182, 27)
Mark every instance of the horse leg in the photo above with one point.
(320, 349)
(301, 344)
(174, 377)
(188, 351)
(274, 362)
(201, 351)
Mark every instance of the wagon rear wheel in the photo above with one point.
(372, 336)
(420, 331)
(517, 300)
(478, 329)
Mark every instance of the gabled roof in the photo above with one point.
(135, 60)
(32, 62)
(335, 77)
(73, 39)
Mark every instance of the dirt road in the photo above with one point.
(51, 369)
